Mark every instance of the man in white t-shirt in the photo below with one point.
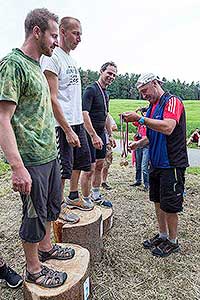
(64, 81)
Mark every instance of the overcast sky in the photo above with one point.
(160, 36)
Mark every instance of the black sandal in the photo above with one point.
(47, 278)
(57, 252)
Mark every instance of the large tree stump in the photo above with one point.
(107, 216)
(87, 232)
(77, 285)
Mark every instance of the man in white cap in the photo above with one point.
(166, 135)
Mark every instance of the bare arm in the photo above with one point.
(96, 140)
(109, 125)
(109, 130)
(165, 126)
(139, 144)
(71, 136)
(21, 179)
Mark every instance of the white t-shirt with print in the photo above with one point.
(69, 84)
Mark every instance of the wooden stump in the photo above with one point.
(77, 285)
(107, 216)
(87, 232)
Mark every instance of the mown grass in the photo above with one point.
(192, 108)
(193, 170)
(126, 271)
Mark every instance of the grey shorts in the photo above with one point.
(44, 202)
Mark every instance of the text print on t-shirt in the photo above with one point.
(73, 74)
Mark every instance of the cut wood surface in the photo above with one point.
(76, 287)
(107, 216)
(87, 232)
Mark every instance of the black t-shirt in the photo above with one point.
(97, 105)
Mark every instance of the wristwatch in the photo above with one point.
(141, 121)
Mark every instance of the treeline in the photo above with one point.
(124, 86)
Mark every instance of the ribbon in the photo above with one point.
(123, 142)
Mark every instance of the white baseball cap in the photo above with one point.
(146, 78)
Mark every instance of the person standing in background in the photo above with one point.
(141, 155)
(109, 156)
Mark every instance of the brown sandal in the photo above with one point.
(47, 278)
(57, 252)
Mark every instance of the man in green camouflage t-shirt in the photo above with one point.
(28, 140)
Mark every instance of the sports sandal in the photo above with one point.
(47, 278)
(57, 252)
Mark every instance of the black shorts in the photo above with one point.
(44, 202)
(73, 158)
(167, 187)
(95, 153)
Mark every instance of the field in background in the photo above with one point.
(192, 107)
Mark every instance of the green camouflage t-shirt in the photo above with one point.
(22, 81)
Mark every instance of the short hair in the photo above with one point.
(109, 63)
(38, 17)
(66, 22)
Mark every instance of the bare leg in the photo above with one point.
(74, 180)
(107, 162)
(86, 181)
(104, 174)
(45, 244)
(62, 187)
(172, 222)
(96, 179)
(31, 254)
(161, 218)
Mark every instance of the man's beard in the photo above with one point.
(45, 50)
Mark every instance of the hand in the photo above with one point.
(21, 180)
(132, 146)
(130, 116)
(112, 142)
(72, 139)
(97, 142)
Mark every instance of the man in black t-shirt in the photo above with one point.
(96, 119)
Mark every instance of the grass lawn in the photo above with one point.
(193, 170)
(192, 107)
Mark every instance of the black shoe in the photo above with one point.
(153, 242)
(135, 184)
(106, 186)
(12, 279)
(165, 249)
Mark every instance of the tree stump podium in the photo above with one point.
(107, 216)
(87, 232)
(77, 285)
